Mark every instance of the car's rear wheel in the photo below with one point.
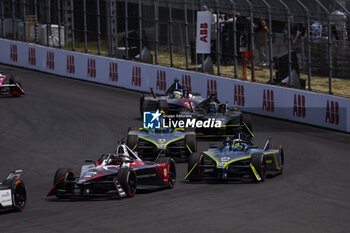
(19, 195)
(193, 167)
(246, 118)
(60, 181)
(14, 80)
(281, 160)
(128, 181)
(258, 163)
(163, 105)
(191, 142)
(171, 170)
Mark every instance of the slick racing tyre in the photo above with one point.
(193, 167)
(60, 180)
(131, 140)
(171, 172)
(258, 163)
(281, 153)
(191, 142)
(14, 80)
(163, 105)
(246, 118)
(19, 195)
(128, 181)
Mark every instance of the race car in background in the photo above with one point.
(236, 159)
(117, 174)
(175, 100)
(151, 143)
(13, 195)
(232, 119)
(10, 86)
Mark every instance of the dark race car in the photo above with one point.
(232, 119)
(150, 143)
(175, 100)
(236, 159)
(10, 86)
(13, 195)
(117, 174)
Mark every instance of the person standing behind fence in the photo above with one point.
(316, 32)
(338, 21)
(261, 29)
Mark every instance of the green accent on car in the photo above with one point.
(258, 178)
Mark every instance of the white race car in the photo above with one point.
(13, 193)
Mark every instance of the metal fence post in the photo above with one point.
(171, 42)
(289, 43)
(329, 31)
(2, 19)
(13, 19)
(270, 40)
(59, 23)
(235, 55)
(307, 18)
(48, 22)
(156, 27)
(36, 20)
(140, 27)
(85, 27)
(252, 57)
(110, 24)
(98, 27)
(24, 21)
(126, 30)
(186, 35)
(218, 44)
(72, 23)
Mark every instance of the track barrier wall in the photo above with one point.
(268, 100)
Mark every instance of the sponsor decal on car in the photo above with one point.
(155, 120)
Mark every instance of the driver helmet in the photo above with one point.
(238, 146)
(177, 94)
(212, 107)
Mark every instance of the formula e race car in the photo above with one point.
(236, 159)
(232, 119)
(13, 195)
(10, 86)
(116, 174)
(151, 143)
(175, 100)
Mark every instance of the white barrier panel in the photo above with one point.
(285, 103)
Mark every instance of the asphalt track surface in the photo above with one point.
(61, 122)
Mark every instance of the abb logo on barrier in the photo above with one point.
(161, 80)
(299, 109)
(113, 72)
(31, 56)
(50, 60)
(91, 68)
(332, 112)
(70, 64)
(186, 82)
(211, 88)
(239, 98)
(13, 53)
(268, 101)
(136, 76)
